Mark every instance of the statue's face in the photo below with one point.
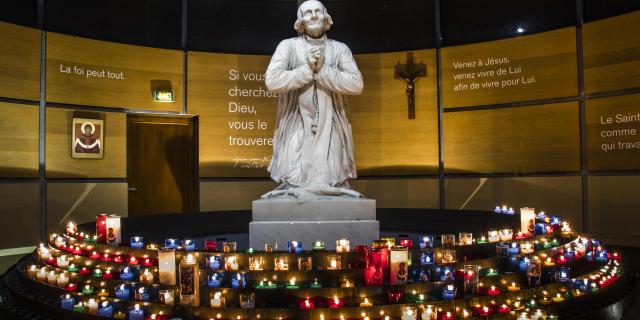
(313, 18)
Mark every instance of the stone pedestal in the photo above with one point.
(325, 219)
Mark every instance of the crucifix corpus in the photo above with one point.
(410, 72)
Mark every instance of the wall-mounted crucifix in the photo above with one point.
(410, 72)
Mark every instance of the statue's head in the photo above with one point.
(313, 19)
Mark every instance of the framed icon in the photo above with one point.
(87, 138)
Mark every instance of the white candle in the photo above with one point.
(43, 252)
(31, 272)
(146, 277)
(216, 301)
(62, 261)
(92, 306)
(167, 266)
(42, 275)
(51, 277)
(62, 280)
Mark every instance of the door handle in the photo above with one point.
(133, 189)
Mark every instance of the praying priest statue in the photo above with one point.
(313, 150)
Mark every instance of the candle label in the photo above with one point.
(113, 230)
(189, 289)
(304, 263)
(399, 265)
(376, 265)
(527, 220)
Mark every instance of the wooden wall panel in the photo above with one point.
(537, 66)
(209, 85)
(59, 163)
(126, 81)
(19, 215)
(543, 138)
(387, 142)
(19, 62)
(613, 209)
(18, 140)
(613, 133)
(612, 53)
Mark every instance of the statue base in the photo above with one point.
(325, 219)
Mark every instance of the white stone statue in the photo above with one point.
(313, 150)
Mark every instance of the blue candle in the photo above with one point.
(449, 292)
(171, 243)
(189, 245)
(497, 209)
(106, 309)
(238, 281)
(514, 249)
(214, 280)
(295, 246)
(540, 228)
(136, 313)
(524, 264)
(126, 274)
(136, 242)
(562, 275)
(142, 294)
(426, 258)
(67, 302)
(123, 292)
(214, 262)
(426, 242)
(602, 255)
(569, 253)
(447, 273)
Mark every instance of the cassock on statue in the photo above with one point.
(313, 151)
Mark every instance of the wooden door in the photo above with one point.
(162, 164)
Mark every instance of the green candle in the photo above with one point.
(87, 290)
(315, 284)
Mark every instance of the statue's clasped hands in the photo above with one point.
(315, 58)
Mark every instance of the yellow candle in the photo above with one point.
(513, 287)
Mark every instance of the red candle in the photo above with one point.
(71, 287)
(94, 255)
(133, 261)
(84, 271)
(561, 259)
(147, 262)
(52, 261)
(101, 228)
(406, 243)
(335, 303)
(483, 311)
(306, 304)
(394, 296)
(118, 259)
(106, 257)
(107, 275)
(376, 266)
(76, 251)
(449, 315)
(493, 291)
(210, 245)
(503, 308)
(521, 235)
